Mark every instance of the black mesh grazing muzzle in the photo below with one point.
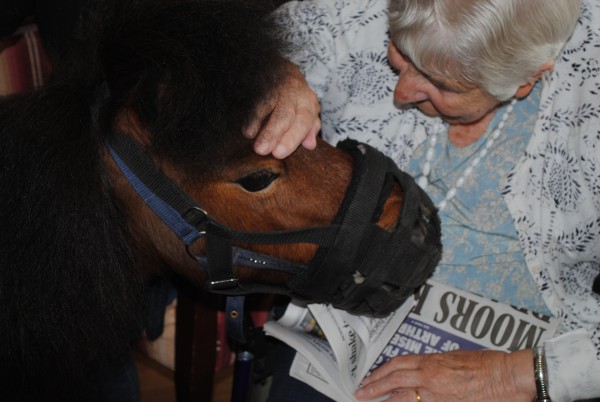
(369, 270)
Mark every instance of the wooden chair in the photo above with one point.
(195, 344)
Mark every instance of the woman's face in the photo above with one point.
(433, 95)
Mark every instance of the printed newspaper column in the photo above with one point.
(446, 319)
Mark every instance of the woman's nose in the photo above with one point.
(410, 87)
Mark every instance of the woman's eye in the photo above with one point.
(257, 181)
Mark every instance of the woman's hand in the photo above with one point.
(286, 120)
(454, 376)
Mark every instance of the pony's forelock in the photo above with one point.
(196, 81)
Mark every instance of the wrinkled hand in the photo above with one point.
(465, 376)
(287, 119)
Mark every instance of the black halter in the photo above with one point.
(359, 266)
(190, 222)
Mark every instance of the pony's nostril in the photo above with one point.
(419, 233)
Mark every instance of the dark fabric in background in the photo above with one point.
(56, 20)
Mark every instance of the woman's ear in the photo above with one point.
(526, 88)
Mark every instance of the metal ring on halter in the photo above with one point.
(196, 216)
(418, 396)
(191, 253)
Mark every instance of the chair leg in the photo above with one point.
(243, 377)
(195, 345)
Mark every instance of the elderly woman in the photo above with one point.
(498, 116)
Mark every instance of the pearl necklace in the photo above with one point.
(439, 129)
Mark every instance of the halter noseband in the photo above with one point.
(359, 266)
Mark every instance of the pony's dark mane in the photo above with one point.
(71, 293)
(196, 79)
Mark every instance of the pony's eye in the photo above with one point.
(257, 181)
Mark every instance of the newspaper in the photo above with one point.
(336, 350)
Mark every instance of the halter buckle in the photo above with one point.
(223, 284)
(195, 216)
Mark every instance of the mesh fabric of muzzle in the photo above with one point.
(370, 270)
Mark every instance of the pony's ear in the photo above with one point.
(128, 122)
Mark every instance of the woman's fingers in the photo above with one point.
(463, 376)
(392, 365)
(287, 119)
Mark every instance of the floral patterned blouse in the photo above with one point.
(482, 252)
(552, 191)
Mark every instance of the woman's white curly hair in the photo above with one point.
(497, 45)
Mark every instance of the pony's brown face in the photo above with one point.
(252, 193)
(258, 193)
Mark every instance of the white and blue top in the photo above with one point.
(545, 172)
(482, 252)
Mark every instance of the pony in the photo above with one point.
(179, 79)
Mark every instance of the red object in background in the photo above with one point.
(24, 64)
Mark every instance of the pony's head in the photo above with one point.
(163, 88)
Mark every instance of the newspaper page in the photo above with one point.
(335, 366)
(357, 341)
(299, 330)
(442, 319)
(446, 318)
